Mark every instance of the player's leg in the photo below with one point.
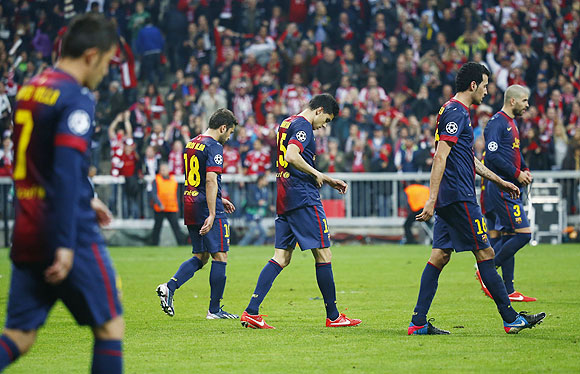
(108, 348)
(13, 344)
(429, 281)
(495, 240)
(29, 302)
(186, 270)
(217, 282)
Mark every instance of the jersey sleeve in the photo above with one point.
(498, 146)
(215, 159)
(302, 134)
(75, 126)
(451, 124)
(73, 133)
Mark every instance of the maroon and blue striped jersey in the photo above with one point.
(202, 154)
(454, 126)
(53, 125)
(502, 144)
(295, 188)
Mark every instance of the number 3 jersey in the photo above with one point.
(202, 154)
(53, 125)
(295, 188)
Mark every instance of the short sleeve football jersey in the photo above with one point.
(454, 126)
(295, 188)
(202, 154)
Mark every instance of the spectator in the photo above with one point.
(257, 207)
(328, 71)
(164, 201)
(332, 161)
(150, 44)
(257, 160)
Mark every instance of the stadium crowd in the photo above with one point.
(391, 65)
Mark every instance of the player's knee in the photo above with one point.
(203, 257)
(24, 340)
(322, 255)
(113, 329)
(220, 256)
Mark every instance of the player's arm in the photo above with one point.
(211, 190)
(294, 158)
(437, 170)
(495, 146)
(484, 172)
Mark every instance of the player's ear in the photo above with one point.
(91, 55)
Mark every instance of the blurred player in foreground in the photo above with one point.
(301, 218)
(205, 214)
(459, 224)
(58, 251)
(510, 226)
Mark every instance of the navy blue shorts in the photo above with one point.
(216, 240)
(307, 226)
(460, 226)
(509, 213)
(89, 292)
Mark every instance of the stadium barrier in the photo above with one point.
(374, 204)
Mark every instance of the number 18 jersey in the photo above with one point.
(202, 154)
(295, 188)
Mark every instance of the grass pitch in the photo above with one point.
(378, 284)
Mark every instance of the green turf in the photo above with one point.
(378, 284)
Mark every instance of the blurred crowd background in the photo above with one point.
(391, 64)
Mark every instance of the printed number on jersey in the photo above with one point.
(192, 177)
(23, 118)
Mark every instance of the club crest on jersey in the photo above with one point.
(451, 127)
(218, 159)
(79, 122)
(518, 220)
(492, 146)
(301, 135)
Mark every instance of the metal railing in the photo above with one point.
(373, 200)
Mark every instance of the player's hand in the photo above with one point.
(228, 206)
(510, 188)
(427, 212)
(525, 178)
(58, 271)
(320, 178)
(207, 225)
(338, 185)
(104, 215)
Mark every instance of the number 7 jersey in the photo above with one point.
(202, 154)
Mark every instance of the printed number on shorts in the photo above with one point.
(325, 225)
(481, 226)
(517, 211)
(193, 178)
(227, 229)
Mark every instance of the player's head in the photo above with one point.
(325, 109)
(224, 121)
(90, 40)
(516, 97)
(473, 78)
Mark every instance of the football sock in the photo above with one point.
(265, 281)
(184, 273)
(107, 357)
(511, 246)
(9, 352)
(326, 284)
(429, 282)
(497, 289)
(217, 282)
(507, 271)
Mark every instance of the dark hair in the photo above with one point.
(470, 72)
(89, 30)
(222, 117)
(326, 101)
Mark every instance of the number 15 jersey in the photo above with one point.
(295, 188)
(202, 154)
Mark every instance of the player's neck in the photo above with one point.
(308, 114)
(508, 111)
(464, 98)
(72, 68)
(213, 133)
